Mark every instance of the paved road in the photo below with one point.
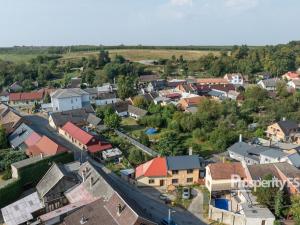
(41, 126)
(154, 209)
(144, 148)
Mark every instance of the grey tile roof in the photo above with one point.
(67, 93)
(247, 150)
(273, 153)
(51, 178)
(136, 111)
(109, 95)
(17, 137)
(270, 82)
(26, 162)
(215, 93)
(287, 125)
(91, 91)
(75, 116)
(183, 162)
(295, 159)
(288, 170)
(93, 120)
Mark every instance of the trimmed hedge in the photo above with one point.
(30, 176)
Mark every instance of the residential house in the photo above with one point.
(82, 139)
(295, 84)
(212, 81)
(93, 93)
(121, 108)
(136, 112)
(290, 76)
(68, 99)
(169, 171)
(105, 88)
(52, 186)
(4, 96)
(112, 155)
(17, 138)
(219, 176)
(156, 85)
(25, 98)
(15, 87)
(185, 103)
(75, 82)
(93, 121)
(204, 89)
(284, 130)
(44, 146)
(162, 101)
(76, 116)
(234, 78)
(9, 118)
(187, 88)
(106, 98)
(145, 79)
(269, 84)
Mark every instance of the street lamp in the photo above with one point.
(169, 216)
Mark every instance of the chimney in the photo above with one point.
(119, 209)
(41, 154)
(83, 176)
(83, 220)
(240, 138)
(91, 182)
(190, 150)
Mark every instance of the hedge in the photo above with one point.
(30, 176)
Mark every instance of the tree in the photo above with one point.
(3, 139)
(295, 209)
(126, 87)
(103, 58)
(88, 76)
(112, 121)
(266, 195)
(47, 98)
(141, 102)
(135, 156)
(278, 203)
(119, 59)
(171, 144)
(144, 139)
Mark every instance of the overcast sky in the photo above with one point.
(148, 22)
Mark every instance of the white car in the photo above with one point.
(186, 193)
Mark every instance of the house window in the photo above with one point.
(190, 171)
(72, 101)
(174, 181)
(189, 180)
(174, 172)
(151, 181)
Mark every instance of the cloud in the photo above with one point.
(241, 4)
(181, 2)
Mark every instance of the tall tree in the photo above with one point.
(126, 86)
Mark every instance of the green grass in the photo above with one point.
(131, 126)
(14, 57)
(143, 54)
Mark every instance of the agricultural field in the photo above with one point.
(15, 57)
(144, 54)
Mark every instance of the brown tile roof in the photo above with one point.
(26, 96)
(223, 171)
(212, 81)
(10, 121)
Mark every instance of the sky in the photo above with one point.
(148, 22)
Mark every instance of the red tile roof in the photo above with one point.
(32, 139)
(45, 146)
(156, 167)
(77, 133)
(99, 147)
(25, 96)
(224, 171)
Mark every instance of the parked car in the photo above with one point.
(186, 193)
(167, 222)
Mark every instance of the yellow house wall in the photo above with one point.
(182, 177)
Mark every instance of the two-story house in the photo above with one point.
(283, 130)
(68, 99)
(170, 172)
(234, 78)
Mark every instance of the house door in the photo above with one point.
(161, 183)
(263, 222)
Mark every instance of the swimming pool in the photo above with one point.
(221, 203)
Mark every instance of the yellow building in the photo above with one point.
(170, 172)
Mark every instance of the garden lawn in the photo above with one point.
(132, 127)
